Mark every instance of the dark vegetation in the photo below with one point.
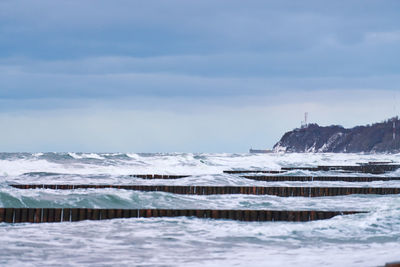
(377, 137)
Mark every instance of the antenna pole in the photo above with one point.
(394, 129)
(305, 118)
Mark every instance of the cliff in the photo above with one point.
(370, 138)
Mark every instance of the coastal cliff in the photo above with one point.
(377, 137)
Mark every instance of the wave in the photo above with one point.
(114, 164)
(42, 174)
(355, 240)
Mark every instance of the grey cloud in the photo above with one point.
(19, 84)
(45, 29)
(215, 49)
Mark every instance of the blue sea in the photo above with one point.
(368, 239)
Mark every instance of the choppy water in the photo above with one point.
(369, 239)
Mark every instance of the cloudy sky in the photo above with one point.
(191, 76)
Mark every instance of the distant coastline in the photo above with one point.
(383, 137)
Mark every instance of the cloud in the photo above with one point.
(86, 49)
(213, 76)
(30, 85)
(392, 37)
(44, 29)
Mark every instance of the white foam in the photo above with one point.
(369, 239)
(184, 163)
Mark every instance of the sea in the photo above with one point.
(367, 239)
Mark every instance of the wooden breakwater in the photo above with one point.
(274, 178)
(42, 215)
(252, 171)
(364, 168)
(222, 190)
(371, 167)
(392, 264)
(158, 176)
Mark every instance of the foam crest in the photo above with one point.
(369, 239)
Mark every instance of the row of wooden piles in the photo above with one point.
(41, 215)
(36, 215)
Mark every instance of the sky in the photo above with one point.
(191, 76)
